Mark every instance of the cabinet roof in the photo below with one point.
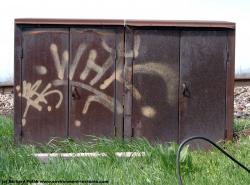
(138, 23)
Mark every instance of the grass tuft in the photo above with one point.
(241, 124)
(157, 167)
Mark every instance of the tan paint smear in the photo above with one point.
(135, 52)
(118, 76)
(49, 108)
(76, 60)
(91, 65)
(107, 64)
(106, 47)
(104, 99)
(115, 75)
(60, 66)
(148, 111)
(23, 122)
(41, 70)
(163, 71)
(34, 98)
(101, 100)
(18, 87)
(78, 123)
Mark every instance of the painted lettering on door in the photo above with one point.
(36, 97)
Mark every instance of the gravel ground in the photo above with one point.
(241, 103)
(6, 104)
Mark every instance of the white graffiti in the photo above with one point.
(42, 70)
(91, 65)
(34, 98)
(59, 65)
(99, 96)
(76, 60)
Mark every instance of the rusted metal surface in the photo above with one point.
(162, 80)
(129, 55)
(179, 23)
(18, 82)
(203, 66)
(230, 85)
(44, 106)
(161, 23)
(70, 22)
(92, 96)
(119, 82)
(155, 84)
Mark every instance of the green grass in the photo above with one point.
(158, 167)
(241, 124)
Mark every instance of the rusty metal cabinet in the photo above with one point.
(160, 80)
(93, 104)
(155, 81)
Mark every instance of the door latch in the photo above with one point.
(186, 89)
(75, 93)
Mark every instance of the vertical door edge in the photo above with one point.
(230, 85)
(119, 84)
(18, 85)
(128, 73)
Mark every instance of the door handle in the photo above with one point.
(75, 94)
(186, 90)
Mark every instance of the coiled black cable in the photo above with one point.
(178, 172)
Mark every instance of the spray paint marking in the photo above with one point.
(78, 123)
(60, 66)
(135, 52)
(148, 111)
(18, 87)
(150, 68)
(34, 98)
(76, 60)
(91, 65)
(163, 71)
(100, 97)
(42, 70)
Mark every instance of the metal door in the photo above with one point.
(153, 55)
(203, 57)
(95, 94)
(44, 105)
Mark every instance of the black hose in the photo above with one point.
(178, 172)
